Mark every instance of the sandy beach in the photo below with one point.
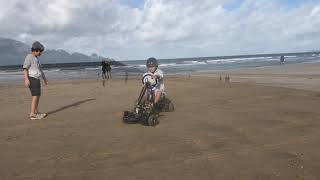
(263, 125)
(296, 76)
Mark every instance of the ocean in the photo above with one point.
(92, 70)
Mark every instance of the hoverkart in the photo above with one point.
(144, 111)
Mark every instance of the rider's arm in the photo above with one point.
(158, 75)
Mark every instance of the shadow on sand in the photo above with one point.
(70, 105)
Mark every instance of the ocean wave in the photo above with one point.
(234, 60)
(169, 64)
(290, 56)
(90, 69)
(248, 59)
(193, 62)
(52, 70)
(220, 61)
(11, 72)
(129, 66)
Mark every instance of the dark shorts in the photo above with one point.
(35, 86)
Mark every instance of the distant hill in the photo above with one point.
(13, 52)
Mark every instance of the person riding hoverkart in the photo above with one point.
(152, 99)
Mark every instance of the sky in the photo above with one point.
(138, 29)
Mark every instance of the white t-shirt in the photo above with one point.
(33, 65)
(160, 85)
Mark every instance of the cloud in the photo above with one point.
(164, 28)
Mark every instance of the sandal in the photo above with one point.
(36, 117)
(43, 115)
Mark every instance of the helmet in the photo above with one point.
(37, 46)
(152, 62)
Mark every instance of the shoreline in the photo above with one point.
(82, 74)
(304, 76)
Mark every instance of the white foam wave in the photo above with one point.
(192, 63)
(52, 70)
(252, 58)
(92, 68)
(220, 61)
(166, 65)
(11, 72)
(290, 56)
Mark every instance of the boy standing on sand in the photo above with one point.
(32, 72)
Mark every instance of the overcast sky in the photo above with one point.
(137, 29)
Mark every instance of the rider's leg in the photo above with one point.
(157, 97)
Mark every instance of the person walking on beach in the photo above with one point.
(32, 73)
(282, 60)
(104, 69)
(108, 69)
(227, 80)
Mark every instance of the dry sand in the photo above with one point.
(241, 130)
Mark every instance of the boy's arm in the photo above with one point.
(26, 77)
(26, 66)
(159, 75)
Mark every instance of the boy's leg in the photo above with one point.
(35, 88)
(157, 96)
(37, 104)
(144, 97)
(34, 105)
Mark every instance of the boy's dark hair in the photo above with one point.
(37, 46)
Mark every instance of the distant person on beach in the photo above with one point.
(104, 69)
(281, 60)
(227, 80)
(32, 73)
(108, 69)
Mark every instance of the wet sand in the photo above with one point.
(296, 76)
(242, 130)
